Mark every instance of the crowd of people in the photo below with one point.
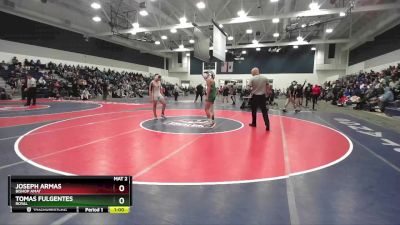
(73, 81)
(371, 91)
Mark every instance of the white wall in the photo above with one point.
(280, 80)
(324, 70)
(377, 64)
(10, 49)
(176, 67)
(327, 69)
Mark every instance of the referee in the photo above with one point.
(259, 88)
(30, 90)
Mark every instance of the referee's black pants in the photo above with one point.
(259, 101)
(31, 95)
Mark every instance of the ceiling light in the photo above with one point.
(274, 0)
(276, 34)
(342, 14)
(95, 5)
(275, 20)
(314, 6)
(201, 5)
(258, 49)
(313, 48)
(221, 26)
(187, 54)
(181, 46)
(191, 41)
(244, 52)
(255, 42)
(300, 39)
(241, 13)
(157, 42)
(96, 19)
(295, 46)
(211, 48)
(143, 12)
(303, 25)
(173, 30)
(182, 19)
(226, 50)
(249, 31)
(329, 30)
(164, 37)
(230, 38)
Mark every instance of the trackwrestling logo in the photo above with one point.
(195, 123)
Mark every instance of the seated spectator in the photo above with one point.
(41, 82)
(385, 98)
(26, 63)
(14, 60)
(85, 95)
(3, 94)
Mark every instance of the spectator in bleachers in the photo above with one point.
(41, 82)
(3, 94)
(14, 60)
(384, 99)
(368, 90)
(75, 79)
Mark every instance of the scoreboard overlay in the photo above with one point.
(70, 194)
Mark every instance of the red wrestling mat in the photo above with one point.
(112, 144)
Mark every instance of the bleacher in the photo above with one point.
(6, 74)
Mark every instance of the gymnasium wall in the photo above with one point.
(322, 67)
(377, 63)
(280, 81)
(283, 67)
(21, 30)
(378, 54)
(288, 60)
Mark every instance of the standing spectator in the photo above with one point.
(23, 89)
(271, 96)
(233, 93)
(105, 91)
(315, 91)
(176, 92)
(225, 92)
(307, 93)
(199, 92)
(31, 90)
